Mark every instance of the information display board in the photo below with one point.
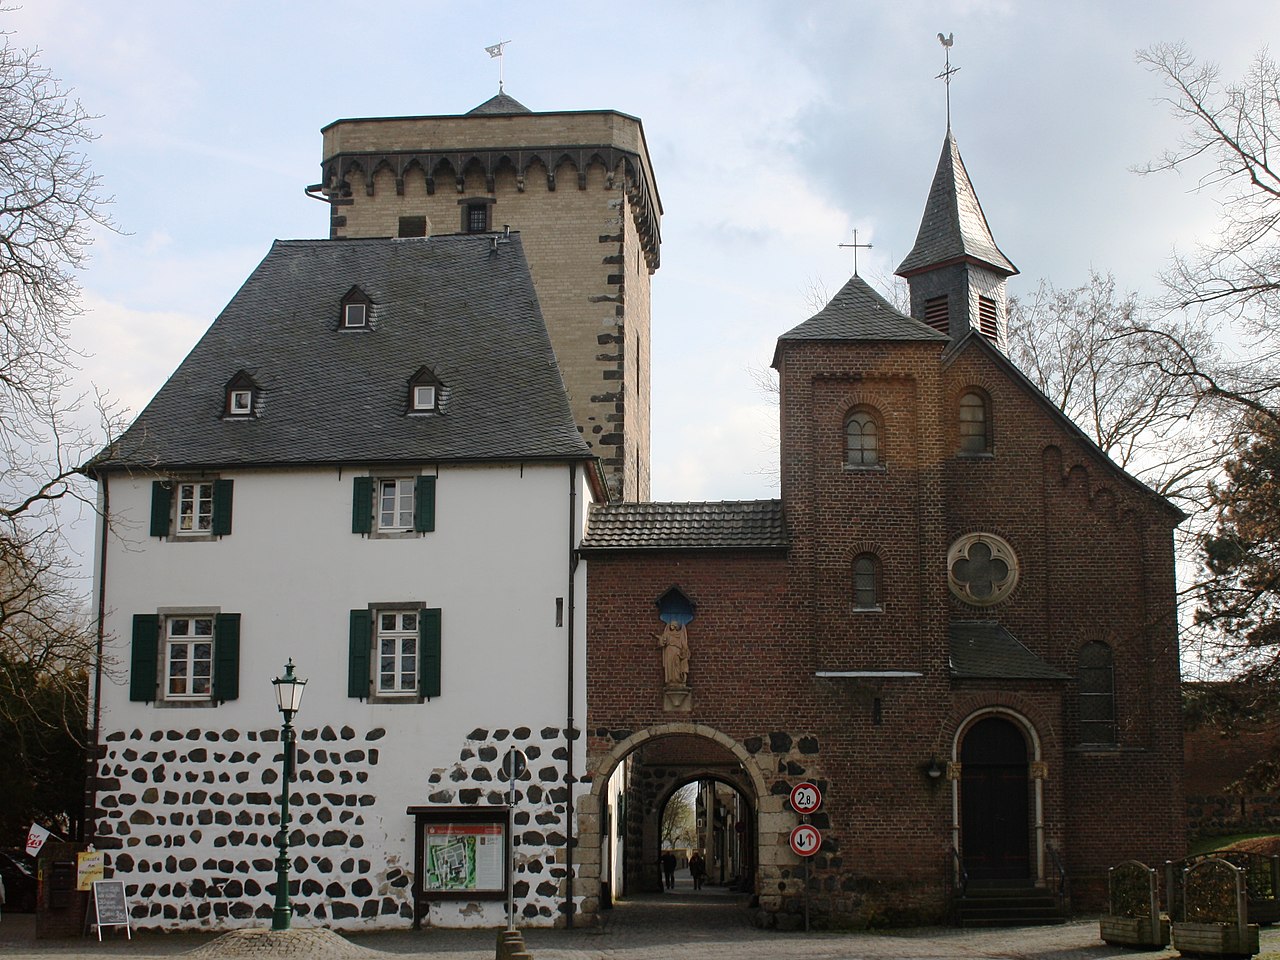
(110, 907)
(465, 857)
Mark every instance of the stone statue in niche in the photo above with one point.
(674, 641)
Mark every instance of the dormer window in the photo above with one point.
(424, 398)
(241, 397)
(424, 391)
(356, 310)
(355, 315)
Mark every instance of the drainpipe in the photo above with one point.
(91, 795)
(569, 778)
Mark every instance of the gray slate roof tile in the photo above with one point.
(724, 525)
(953, 225)
(984, 650)
(501, 104)
(857, 312)
(450, 303)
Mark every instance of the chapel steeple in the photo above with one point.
(955, 271)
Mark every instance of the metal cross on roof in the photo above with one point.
(948, 71)
(855, 246)
(496, 51)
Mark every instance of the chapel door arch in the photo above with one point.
(998, 807)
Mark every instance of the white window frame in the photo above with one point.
(403, 502)
(189, 507)
(189, 670)
(240, 403)
(396, 652)
(349, 319)
(424, 397)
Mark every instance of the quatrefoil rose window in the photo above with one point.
(982, 569)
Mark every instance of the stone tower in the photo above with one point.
(955, 270)
(580, 189)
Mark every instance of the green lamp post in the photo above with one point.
(288, 698)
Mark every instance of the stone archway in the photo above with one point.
(709, 754)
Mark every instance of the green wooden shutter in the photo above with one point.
(424, 504)
(144, 657)
(429, 652)
(358, 650)
(221, 507)
(161, 507)
(226, 655)
(362, 505)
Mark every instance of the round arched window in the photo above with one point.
(982, 569)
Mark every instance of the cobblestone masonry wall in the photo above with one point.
(190, 817)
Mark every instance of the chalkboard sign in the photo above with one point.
(111, 908)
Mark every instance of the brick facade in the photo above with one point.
(1096, 564)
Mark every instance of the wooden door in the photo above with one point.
(995, 829)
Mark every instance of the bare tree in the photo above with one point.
(678, 818)
(1090, 352)
(50, 201)
(1230, 281)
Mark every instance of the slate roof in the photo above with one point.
(857, 312)
(501, 104)
(953, 226)
(984, 650)
(725, 525)
(450, 303)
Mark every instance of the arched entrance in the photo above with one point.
(998, 810)
(634, 782)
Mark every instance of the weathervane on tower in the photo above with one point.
(948, 71)
(496, 51)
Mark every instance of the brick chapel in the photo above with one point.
(958, 621)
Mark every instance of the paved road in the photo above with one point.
(684, 926)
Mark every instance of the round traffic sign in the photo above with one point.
(514, 764)
(805, 840)
(805, 797)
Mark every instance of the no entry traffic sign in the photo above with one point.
(805, 840)
(805, 797)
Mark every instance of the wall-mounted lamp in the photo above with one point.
(934, 770)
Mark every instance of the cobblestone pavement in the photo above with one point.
(708, 925)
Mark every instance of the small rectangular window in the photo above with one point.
(397, 645)
(424, 398)
(189, 655)
(241, 404)
(477, 217)
(195, 509)
(355, 315)
(412, 227)
(395, 505)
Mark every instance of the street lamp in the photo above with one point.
(288, 698)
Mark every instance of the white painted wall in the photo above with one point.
(495, 564)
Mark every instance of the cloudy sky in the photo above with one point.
(775, 128)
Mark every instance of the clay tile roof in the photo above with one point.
(725, 525)
(857, 312)
(984, 650)
(953, 226)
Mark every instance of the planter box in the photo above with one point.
(1218, 939)
(1134, 931)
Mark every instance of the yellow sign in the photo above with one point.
(90, 867)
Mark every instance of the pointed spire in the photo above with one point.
(954, 228)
